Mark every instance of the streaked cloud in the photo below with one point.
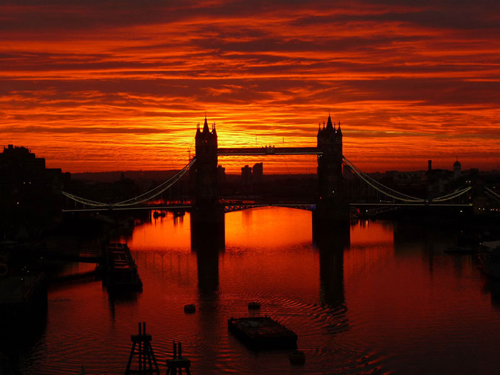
(99, 85)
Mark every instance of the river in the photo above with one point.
(378, 297)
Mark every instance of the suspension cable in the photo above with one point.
(163, 186)
(389, 194)
(171, 181)
(452, 195)
(84, 200)
(360, 172)
(371, 182)
(492, 192)
(136, 200)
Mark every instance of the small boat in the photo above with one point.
(262, 333)
(253, 306)
(178, 213)
(489, 256)
(158, 214)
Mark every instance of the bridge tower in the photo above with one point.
(332, 203)
(206, 166)
(207, 214)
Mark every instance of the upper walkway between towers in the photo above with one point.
(267, 150)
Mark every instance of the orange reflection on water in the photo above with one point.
(270, 249)
(378, 233)
(164, 233)
(372, 247)
(258, 228)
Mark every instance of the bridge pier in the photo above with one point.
(207, 228)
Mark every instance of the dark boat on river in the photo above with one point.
(122, 273)
(262, 333)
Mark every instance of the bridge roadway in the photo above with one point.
(239, 206)
(268, 150)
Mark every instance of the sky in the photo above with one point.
(96, 85)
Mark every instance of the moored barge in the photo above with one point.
(262, 333)
(122, 273)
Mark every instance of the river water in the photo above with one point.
(377, 297)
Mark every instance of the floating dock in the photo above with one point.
(263, 333)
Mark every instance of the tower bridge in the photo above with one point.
(331, 204)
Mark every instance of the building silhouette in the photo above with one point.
(30, 193)
(246, 176)
(258, 173)
(457, 169)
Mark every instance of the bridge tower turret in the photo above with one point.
(332, 203)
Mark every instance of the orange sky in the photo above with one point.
(96, 85)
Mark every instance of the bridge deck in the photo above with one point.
(236, 206)
(271, 150)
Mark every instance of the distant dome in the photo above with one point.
(457, 164)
